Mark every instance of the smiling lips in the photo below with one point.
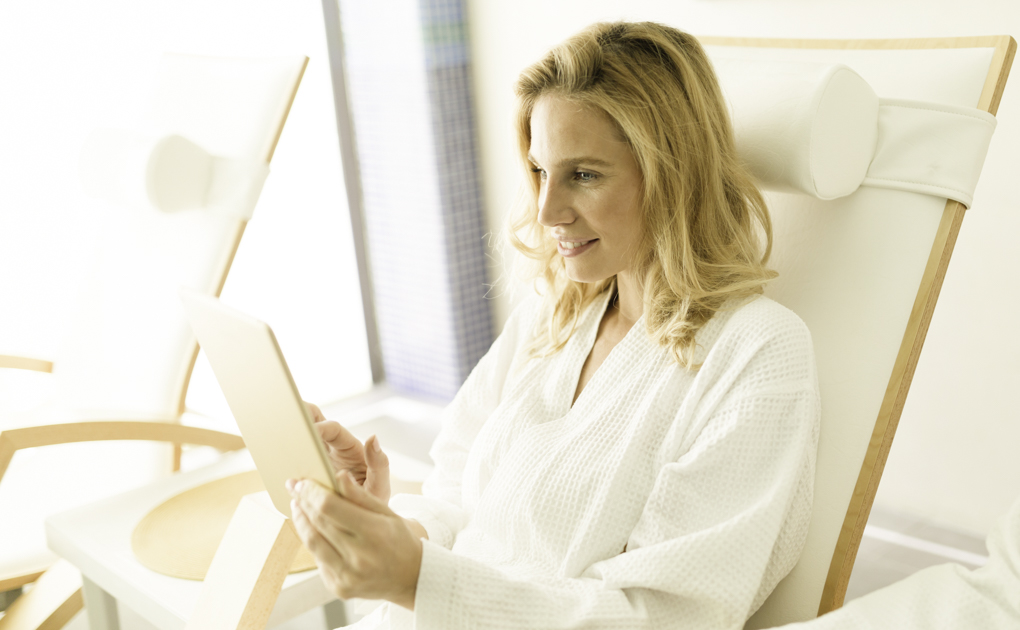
(574, 248)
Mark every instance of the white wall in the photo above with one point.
(955, 458)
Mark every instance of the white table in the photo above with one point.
(96, 538)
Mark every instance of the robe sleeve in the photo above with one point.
(724, 522)
(944, 597)
(439, 508)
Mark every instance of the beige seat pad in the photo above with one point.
(179, 537)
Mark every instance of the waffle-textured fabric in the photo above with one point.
(662, 498)
(944, 597)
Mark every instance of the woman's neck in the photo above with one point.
(629, 301)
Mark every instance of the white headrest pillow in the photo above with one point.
(801, 127)
(168, 173)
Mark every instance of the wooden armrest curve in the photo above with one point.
(51, 603)
(12, 440)
(25, 363)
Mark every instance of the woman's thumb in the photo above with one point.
(377, 481)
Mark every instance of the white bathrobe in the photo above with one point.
(662, 498)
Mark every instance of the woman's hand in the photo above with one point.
(366, 462)
(362, 548)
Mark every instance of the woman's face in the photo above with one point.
(590, 194)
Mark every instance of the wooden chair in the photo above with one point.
(124, 373)
(864, 272)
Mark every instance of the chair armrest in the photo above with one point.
(25, 363)
(13, 440)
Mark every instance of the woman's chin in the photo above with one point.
(590, 276)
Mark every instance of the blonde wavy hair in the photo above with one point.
(704, 218)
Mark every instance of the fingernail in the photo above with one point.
(300, 486)
(290, 485)
(375, 444)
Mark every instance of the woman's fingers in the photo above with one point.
(315, 412)
(367, 462)
(330, 513)
(345, 451)
(331, 563)
(336, 436)
(360, 496)
(364, 549)
(348, 453)
(310, 536)
(308, 512)
(377, 478)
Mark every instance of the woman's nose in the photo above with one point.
(554, 207)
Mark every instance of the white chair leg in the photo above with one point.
(100, 606)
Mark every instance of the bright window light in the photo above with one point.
(70, 66)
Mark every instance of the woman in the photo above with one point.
(637, 447)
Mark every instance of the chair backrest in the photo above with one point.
(864, 272)
(131, 352)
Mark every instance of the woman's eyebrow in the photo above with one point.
(572, 161)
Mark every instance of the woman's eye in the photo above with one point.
(541, 172)
(584, 176)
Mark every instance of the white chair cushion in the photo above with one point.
(167, 173)
(802, 127)
(819, 129)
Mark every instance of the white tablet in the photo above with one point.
(258, 386)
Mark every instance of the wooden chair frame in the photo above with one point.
(52, 608)
(857, 513)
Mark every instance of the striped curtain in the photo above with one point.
(409, 89)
